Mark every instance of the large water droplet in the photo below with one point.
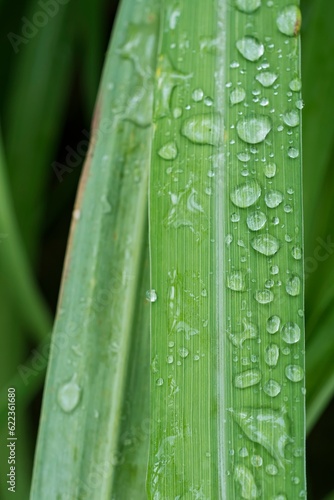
(202, 129)
(247, 379)
(151, 296)
(248, 6)
(272, 388)
(266, 244)
(295, 373)
(293, 285)
(264, 296)
(267, 79)
(245, 195)
(273, 324)
(291, 118)
(168, 151)
(236, 281)
(69, 396)
(256, 220)
(254, 129)
(244, 477)
(273, 198)
(250, 48)
(271, 354)
(237, 95)
(290, 332)
(289, 20)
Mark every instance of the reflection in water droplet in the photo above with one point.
(271, 354)
(295, 85)
(202, 129)
(244, 477)
(291, 118)
(289, 20)
(272, 388)
(290, 333)
(264, 296)
(293, 285)
(266, 244)
(236, 281)
(151, 296)
(245, 195)
(295, 373)
(267, 79)
(293, 152)
(256, 220)
(237, 95)
(273, 324)
(247, 379)
(168, 151)
(269, 170)
(250, 48)
(254, 129)
(273, 198)
(68, 396)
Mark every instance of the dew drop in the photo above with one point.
(250, 48)
(177, 112)
(168, 151)
(299, 104)
(68, 396)
(244, 157)
(76, 214)
(291, 118)
(254, 129)
(293, 285)
(296, 253)
(197, 95)
(269, 170)
(265, 244)
(295, 85)
(289, 20)
(202, 129)
(248, 6)
(271, 354)
(247, 379)
(290, 332)
(236, 281)
(273, 198)
(256, 460)
(245, 195)
(273, 324)
(272, 388)
(244, 477)
(256, 220)
(183, 352)
(235, 217)
(293, 153)
(208, 102)
(237, 95)
(267, 79)
(170, 359)
(151, 296)
(274, 270)
(264, 296)
(159, 382)
(295, 373)
(243, 452)
(271, 469)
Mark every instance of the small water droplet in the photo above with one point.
(69, 395)
(269, 170)
(299, 104)
(265, 244)
(236, 281)
(273, 198)
(170, 359)
(228, 239)
(273, 324)
(271, 354)
(151, 296)
(254, 129)
(289, 20)
(247, 379)
(76, 214)
(256, 460)
(274, 269)
(271, 469)
(183, 352)
(290, 332)
(237, 95)
(243, 452)
(159, 382)
(244, 477)
(168, 151)
(208, 102)
(202, 129)
(296, 253)
(267, 79)
(256, 220)
(248, 6)
(177, 112)
(293, 152)
(245, 195)
(235, 217)
(295, 373)
(250, 48)
(272, 388)
(293, 285)
(197, 95)
(244, 157)
(291, 118)
(264, 296)
(295, 85)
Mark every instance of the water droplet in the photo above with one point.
(273, 324)
(237, 95)
(247, 6)
(244, 477)
(290, 332)
(177, 112)
(159, 382)
(271, 354)
(236, 281)
(293, 285)
(197, 95)
(183, 352)
(235, 217)
(264, 102)
(208, 102)
(295, 85)
(271, 469)
(249, 332)
(256, 220)
(293, 152)
(228, 239)
(256, 460)
(254, 129)
(243, 452)
(76, 214)
(266, 244)
(244, 157)
(272, 388)
(287, 210)
(296, 253)
(291, 118)
(245, 195)
(273, 198)
(274, 269)
(267, 79)
(250, 48)
(264, 296)
(202, 129)
(289, 20)
(168, 151)
(69, 395)
(247, 379)
(280, 497)
(151, 296)
(299, 104)
(269, 170)
(295, 373)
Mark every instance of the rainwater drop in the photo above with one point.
(272, 388)
(291, 333)
(245, 195)
(168, 151)
(267, 79)
(68, 396)
(254, 129)
(256, 220)
(289, 20)
(250, 48)
(271, 354)
(295, 373)
(247, 379)
(265, 244)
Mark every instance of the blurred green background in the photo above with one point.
(52, 54)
